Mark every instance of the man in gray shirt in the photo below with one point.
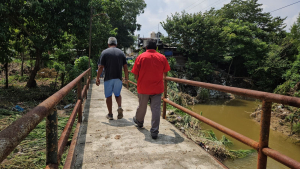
(112, 59)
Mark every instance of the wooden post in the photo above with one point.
(51, 139)
(264, 134)
(165, 96)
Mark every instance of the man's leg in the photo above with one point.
(141, 110)
(108, 86)
(155, 101)
(109, 104)
(119, 101)
(117, 92)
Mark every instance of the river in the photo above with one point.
(235, 114)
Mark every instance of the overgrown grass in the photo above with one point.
(31, 152)
(12, 79)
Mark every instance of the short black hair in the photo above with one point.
(151, 44)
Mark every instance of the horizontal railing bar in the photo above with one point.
(69, 159)
(132, 82)
(270, 97)
(11, 136)
(62, 142)
(281, 158)
(217, 126)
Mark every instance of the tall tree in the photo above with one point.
(44, 23)
(5, 46)
(127, 24)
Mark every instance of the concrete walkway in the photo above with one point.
(119, 144)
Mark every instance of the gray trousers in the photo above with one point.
(155, 101)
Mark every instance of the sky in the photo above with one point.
(158, 10)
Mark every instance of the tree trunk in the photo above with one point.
(6, 75)
(62, 80)
(22, 54)
(31, 82)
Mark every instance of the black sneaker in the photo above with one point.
(136, 122)
(109, 116)
(120, 113)
(154, 136)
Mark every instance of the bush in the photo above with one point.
(284, 88)
(80, 65)
(198, 71)
(203, 94)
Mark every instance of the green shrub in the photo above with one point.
(284, 88)
(198, 71)
(203, 94)
(296, 128)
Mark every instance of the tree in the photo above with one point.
(250, 11)
(127, 24)
(44, 23)
(195, 35)
(5, 46)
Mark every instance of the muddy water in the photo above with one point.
(234, 114)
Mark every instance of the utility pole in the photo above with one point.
(90, 44)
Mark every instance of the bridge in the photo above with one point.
(101, 143)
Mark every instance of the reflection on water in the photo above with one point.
(235, 114)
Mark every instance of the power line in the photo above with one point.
(284, 6)
(213, 4)
(184, 9)
(196, 5)
(191, 5)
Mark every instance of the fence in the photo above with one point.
(267, 98)
(11, 136)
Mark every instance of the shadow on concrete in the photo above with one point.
(119, 123)
(81, 139)
(162, 138)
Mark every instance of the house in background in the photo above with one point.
(165, 49)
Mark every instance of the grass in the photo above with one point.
(31, 152)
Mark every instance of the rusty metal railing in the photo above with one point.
(11, 136)
(267, 98)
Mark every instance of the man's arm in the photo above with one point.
(125, 71)
(136, 77)
(100, 70)
(165, 74)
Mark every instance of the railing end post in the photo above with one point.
(264, 134)
(51, 138)
(165, 96)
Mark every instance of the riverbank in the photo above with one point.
(206, 139)
(283, 119)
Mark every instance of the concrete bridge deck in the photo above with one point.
(104, 143)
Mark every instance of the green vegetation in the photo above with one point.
(31, 152)
(240, 39)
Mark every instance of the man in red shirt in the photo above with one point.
(149, 69)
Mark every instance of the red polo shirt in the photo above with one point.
(150, 66)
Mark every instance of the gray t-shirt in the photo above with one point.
(113, 60)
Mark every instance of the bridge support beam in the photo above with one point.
(165, 96)
(264, 134)
(51, 140)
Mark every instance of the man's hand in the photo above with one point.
(97, 81)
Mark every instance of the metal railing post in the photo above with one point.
(264, 134)
(51, 139)
(79, 98)
(165, 96)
